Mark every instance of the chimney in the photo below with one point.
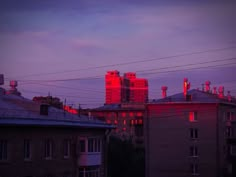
(214, 90)
(1, 79)
(2, 91)
(221, 92)
(164, 89)
(44, 109)
(13, 89)
(186, 86)
(207, 83)
(229, 96)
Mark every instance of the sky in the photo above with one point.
(65, 47)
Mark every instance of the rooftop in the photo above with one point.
(196, 96)
(17, 110)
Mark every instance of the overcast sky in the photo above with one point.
(163, 41)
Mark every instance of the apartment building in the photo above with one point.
(37, 140)
(186, 134)
(127, 119)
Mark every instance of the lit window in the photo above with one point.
(139, 114)
(27, 149)
(192, 116)
(123, 114)
(131, 114)
(193, 151)
(115, 122)
(193, 133)
(194, 169)
(48, 149)
(3, 150)
(124, 122)
(66, 148)
(131, 122)
(140, 122)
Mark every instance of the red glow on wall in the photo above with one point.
(70, 109)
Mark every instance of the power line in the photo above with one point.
(148, 73)
(134, 62)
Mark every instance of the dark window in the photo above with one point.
(27, 149)
(138, 130)
(66, 148)
(193, 133)
(43, 109)
(3, 150)
(194, 169)
(82, 145)
(90, 145)
(48, 149)
(193, 151)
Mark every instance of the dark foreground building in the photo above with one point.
(37, 140)
(187, 134)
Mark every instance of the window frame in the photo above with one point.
(66, 148)
(4, 150)
(27, 149)
(48, 149)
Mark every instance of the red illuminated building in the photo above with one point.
(187, 134)
(127, 118)
(126, 89)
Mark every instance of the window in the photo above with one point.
(228, 132)
(124, 122)
(194, 169)
(90, 171)
(230, 116)
(94, 145)
(27, 149)
(3, 150)
(66, 148)
(82, 145)
(192, 116)
(193, 133)
(48, 149)
(193, 151)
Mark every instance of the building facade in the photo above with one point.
(125, 89)
(186, 134)
(37, 140)
(127, 119)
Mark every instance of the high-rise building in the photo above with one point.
(126, 89)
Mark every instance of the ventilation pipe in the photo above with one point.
(221, 92)
(186, 86)
(207, 83)
(229, 96)
(214, 90)
(164, 89)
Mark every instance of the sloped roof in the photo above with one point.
(197, 96)
(17, 110)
